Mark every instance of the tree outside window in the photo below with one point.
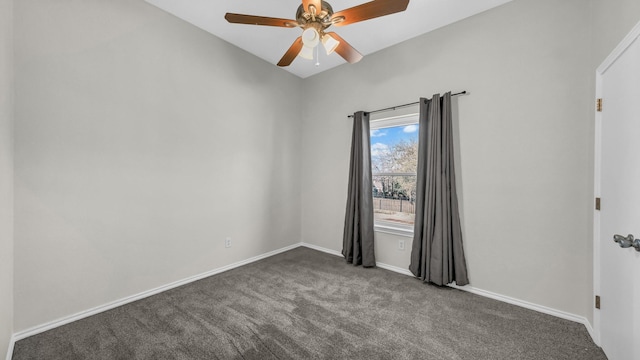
(394, 159)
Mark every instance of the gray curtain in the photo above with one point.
(357, 242)
(437, 255)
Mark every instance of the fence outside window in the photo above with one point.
(394, 197)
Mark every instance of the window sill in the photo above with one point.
(393, 230)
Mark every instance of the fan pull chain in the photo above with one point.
(317, 56)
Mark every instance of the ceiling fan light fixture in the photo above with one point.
(314, 17)
(330, 44)
(310, 37)
(306, 53)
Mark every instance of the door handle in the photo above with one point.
(627, 241)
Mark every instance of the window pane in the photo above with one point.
(394, 198)
(394, 159)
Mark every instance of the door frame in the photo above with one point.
(600, 71)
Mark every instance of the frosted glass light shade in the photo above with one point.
(330, 44)
(306, 52)
(310, 37)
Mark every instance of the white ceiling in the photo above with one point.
(270, 43)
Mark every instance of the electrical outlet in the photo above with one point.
(400, 244)
(227, 242)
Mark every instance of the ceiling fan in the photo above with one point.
(314, 17)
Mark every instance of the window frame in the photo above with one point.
(383, 123)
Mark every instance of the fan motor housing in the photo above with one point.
(322, 17)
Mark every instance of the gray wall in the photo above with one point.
(612, 21)
(523, 133)
(6, 174)
(141, 143)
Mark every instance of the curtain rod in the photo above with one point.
(404, 105)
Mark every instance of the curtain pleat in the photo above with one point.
(437, 254)
(357, 245)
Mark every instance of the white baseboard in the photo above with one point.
(396, 269)
(591, 331)
(83, 314)
(96, 310)
(528, 305)
(525, 304)
(320, 248)
(12, 342)
(338, 253)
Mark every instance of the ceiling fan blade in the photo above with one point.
(370, 10)
(316, 3)
(345, 50)
(291, 54)
(259, 20)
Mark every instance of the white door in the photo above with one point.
(619, 122)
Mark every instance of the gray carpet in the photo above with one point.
(305, 304)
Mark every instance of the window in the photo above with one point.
(394, 160)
